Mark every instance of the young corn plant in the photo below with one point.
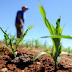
(36, 43)
(56, 35)
(10, 41)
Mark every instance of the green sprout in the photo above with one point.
(56, 36)
(36, 43)
(9, 41)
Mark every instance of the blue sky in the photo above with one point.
(53, 8)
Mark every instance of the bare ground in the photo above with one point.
(23, 62)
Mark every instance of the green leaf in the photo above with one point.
(49, 26)
(12, 37)
(11, 44)
(9, 49)
(42, 10)
(25, 33)
(58, 59)
(58, 21)
(6, 35)
(38, 55)
(58, 27)
(20, 40)
(53, 30)
(58, 36)
(30, 27)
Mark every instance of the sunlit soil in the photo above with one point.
(23, 61)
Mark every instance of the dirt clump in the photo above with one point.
(42, 64)
(23, 62)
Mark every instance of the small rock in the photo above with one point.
(38, 63)
(4, 69)
(22, 70)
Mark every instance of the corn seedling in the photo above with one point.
(56, 35)
(10, 41)
(36, 43)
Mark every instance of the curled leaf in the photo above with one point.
(38, 55)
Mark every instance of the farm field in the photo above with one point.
(23, 61)
(16, 55)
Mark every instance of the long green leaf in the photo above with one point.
(9, 49)
(42, 11)
(58, 27)
(6, 36)
(53, 30)
(20, 40)
(49, 26)
(4, 33)
(58, 36)
(38, 55)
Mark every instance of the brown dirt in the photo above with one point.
(23, 62)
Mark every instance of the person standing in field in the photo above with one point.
(20, 21)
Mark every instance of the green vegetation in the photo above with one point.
(29, 44)
(67, 50)
(56, 35)
(37, 43)
(9, 41)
